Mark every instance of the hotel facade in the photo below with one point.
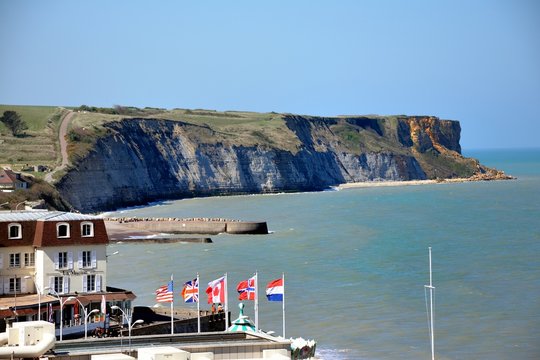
(49, 255)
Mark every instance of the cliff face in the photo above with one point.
(143, 160)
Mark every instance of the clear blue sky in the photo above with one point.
(473, 61)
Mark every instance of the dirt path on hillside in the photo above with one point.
(63, 145)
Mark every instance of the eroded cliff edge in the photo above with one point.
(142, 160)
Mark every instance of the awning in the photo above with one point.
(28, 304)
(120, 296)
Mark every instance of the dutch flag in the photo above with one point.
(275, 290)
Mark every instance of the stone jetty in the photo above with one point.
(204, 226)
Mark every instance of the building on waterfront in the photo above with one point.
(48, 256)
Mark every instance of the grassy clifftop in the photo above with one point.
(39, 144)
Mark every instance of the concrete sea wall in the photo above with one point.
(196, 226)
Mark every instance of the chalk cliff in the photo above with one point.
(142, 160)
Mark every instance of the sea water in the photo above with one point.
(356, 262)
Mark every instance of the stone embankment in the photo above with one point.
(207, 226)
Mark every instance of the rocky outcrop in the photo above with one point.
(143, 160)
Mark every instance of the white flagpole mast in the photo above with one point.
(431, 328)
(172, 306)
(256, 303)
(226, 305)
(283, 303)
(198, 306)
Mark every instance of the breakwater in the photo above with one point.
(210, 226)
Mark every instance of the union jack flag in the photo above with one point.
(190, 291)
(247, 289)
(165, 293)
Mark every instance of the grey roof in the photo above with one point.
(43, 215)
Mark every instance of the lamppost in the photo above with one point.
(86, 316)
(39, 294)
(39, 299)
(130, 325)
(62, 303)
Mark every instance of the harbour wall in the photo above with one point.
(185, 321)
(196, 226)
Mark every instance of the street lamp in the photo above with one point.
(130, 325)
(38, 292)
(62, 303)
(39, 299)
(86, 316)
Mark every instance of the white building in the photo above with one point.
(52, 252)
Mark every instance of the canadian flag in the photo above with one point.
(216, 291)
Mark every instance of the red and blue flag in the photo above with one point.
(247, 289)
(190, 291)
(165, 293)
(275, 290)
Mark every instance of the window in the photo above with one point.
(62, 230)
(14, 260)
(62, 260)
(58, 284)
(14, 231)
(87, 229)
(86, 259)
(15, 285)
(29, 259)
(90, 283)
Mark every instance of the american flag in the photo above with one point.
(190, 292)
(165, 293)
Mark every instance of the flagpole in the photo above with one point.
(283, 303)
(198, 306)
(256, 304)
(431, 327)
(226, 304)
(172, 306)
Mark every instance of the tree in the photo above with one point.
(14, 122)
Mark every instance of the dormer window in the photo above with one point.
(62, 230)
(14, 231)
(87, 229)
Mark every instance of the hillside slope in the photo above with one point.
(145, 159)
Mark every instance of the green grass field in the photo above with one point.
(36, 117)
(242, 128)
(39, 143)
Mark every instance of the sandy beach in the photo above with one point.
(385, 183)
(497, 175)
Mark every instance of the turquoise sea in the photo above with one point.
(356, 262)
